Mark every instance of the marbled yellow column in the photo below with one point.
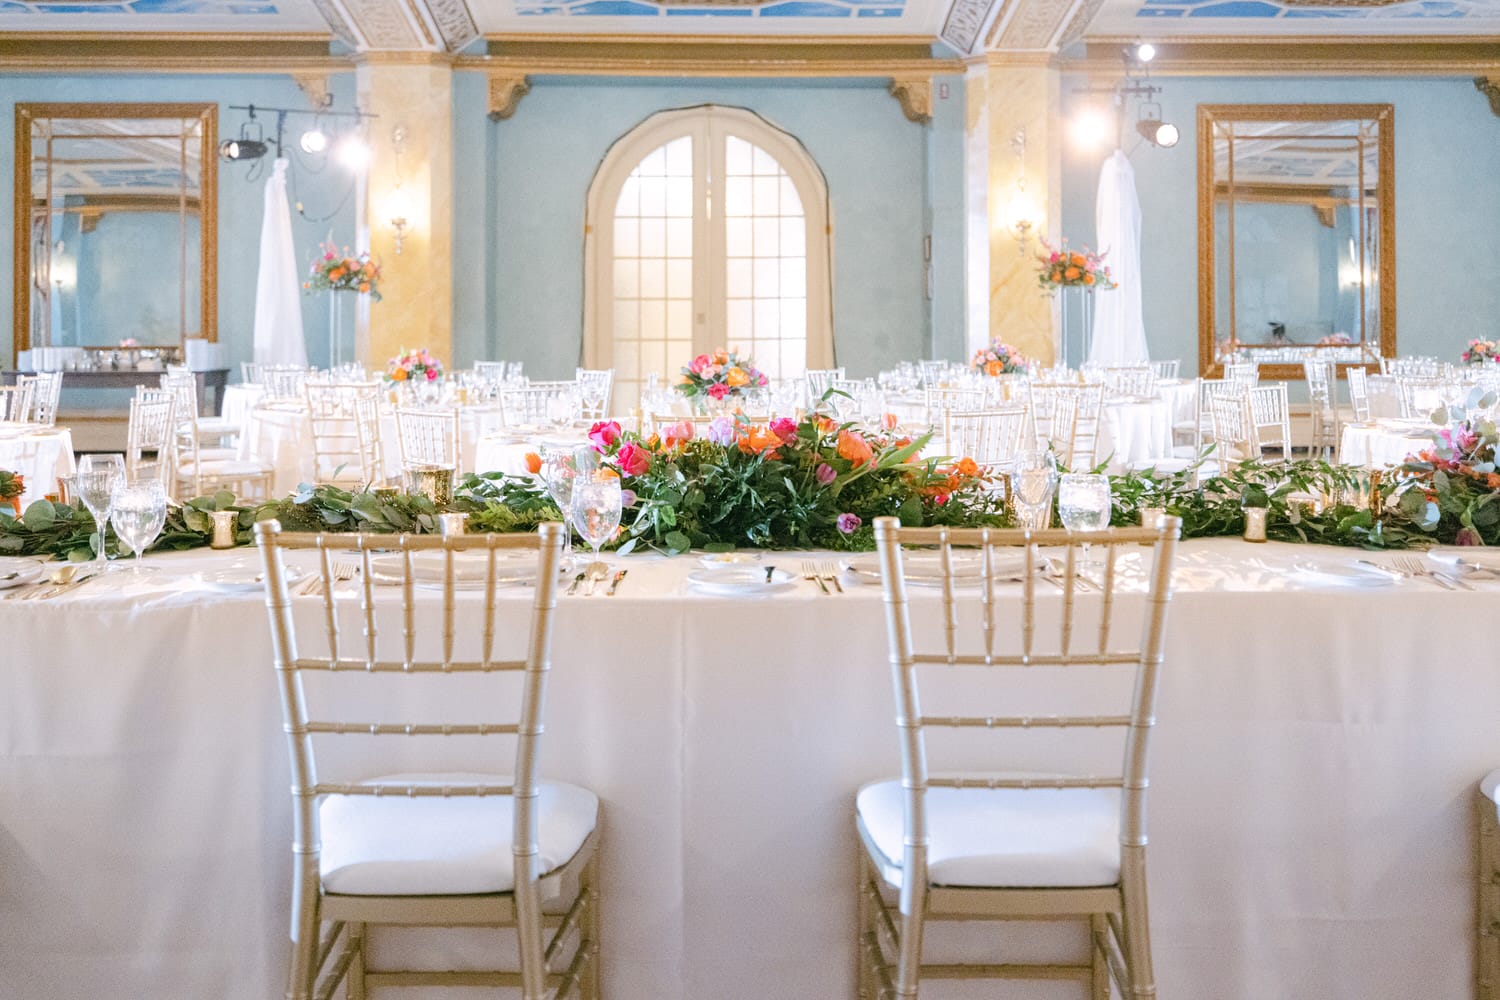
(1021, 95)
(414, 93)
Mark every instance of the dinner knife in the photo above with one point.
(620, 575)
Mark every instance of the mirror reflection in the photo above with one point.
(1296, 235)
(120, 203)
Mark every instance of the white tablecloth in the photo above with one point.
(283, 437)
(1313, 767)
(239, 400)
(40, 456)
(1385, 442)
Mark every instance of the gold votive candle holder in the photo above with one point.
(225, 523)
(435, 482)
(1255, 523)
(453, 524)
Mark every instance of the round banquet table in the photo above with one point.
(1385, 442)
(281, 435)
(40, 455)
(1311, 796)
(239, 400)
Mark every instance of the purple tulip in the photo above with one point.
(825, 474)
(847, 523)
(721, 430)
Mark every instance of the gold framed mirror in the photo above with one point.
(116, 225)
(1296, 235)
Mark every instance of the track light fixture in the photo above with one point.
(251, 144)
(314, 140)
(1153, 129)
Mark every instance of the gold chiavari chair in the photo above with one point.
(992, 438)
(1048, 839)
(429, 438)
(481, 848)
(345, 423)
(1487, 941)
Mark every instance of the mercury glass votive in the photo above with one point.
(1255, 523)
(225, 523)
(453, 524)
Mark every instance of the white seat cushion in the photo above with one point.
(1490, 787)
(225, 469)
(1003, 837)
(399, 846)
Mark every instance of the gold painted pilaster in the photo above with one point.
(1023, 97)
(417, 306)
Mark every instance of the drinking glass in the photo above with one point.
(596, 512)
(1083, 503)
(559, 468)
(1033, 477)
(95, 482)
(138, 511)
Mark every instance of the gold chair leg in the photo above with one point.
(359, 940)
(863, 923)
(529, 933)
(1136, 919)
(591, 924)
(306, 929)
(1099, 979)
(913, 914)
(1487, 936)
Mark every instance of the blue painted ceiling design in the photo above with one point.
(774, 8)
(1267, 9)
(212, 8)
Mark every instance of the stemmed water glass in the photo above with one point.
(596, 512)
(559, 469)
(138, 512)
(1033, 477)
(1083, 503)
(96, 481)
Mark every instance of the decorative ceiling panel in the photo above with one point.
(1273, 17)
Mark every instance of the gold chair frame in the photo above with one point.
(341, 951)
(1116, 914)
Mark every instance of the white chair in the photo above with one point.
(1167, 369)
(283, 384)
(1270, 419)
(1129, 381)
(345, 424)
(1420, 394)
(595, 389)
(149, 433)
(429, 438)
(199, 471)
(1359, 392)
(1067, 418)
(1245, 373)
(15, 402)
(992, 438)
(1062, 836)
(1322, 385)
(435, 845)
(251, 372)
(819, 380)
(46, 390)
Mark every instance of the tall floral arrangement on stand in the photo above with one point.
(336, 271)
(1065, 268)
(720, 375)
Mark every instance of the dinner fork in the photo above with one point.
(342, 572)
(832, 576)
(1412, 566)
(810, 572)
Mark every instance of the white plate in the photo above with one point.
(243, 577)
(1336, 575)
(1467, 556)
(926, 568)
(25, 570)
(734, 581)
(722, 560)
(470, 569)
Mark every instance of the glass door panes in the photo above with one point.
(765, 260)
(653, 268)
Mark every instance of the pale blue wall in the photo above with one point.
(240, 185)
(521, 186)
(1447, 204)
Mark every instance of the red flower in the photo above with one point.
(718, 390)
(633, 459)
(604, 434)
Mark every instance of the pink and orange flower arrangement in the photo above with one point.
(719, 375)
(999, 358)
(341, 271)
(414, 366)
(783, 483)
(1064, 268)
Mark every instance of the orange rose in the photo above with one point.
(336, 274)
(855, 448)
(533, 462)
(721, 357)
(399, 375)
(369, 267)
(736, 377)
(1076, 259)
(967, 467)
(1088, 279)
(994, 368)
(364, 286)
(1071, 274)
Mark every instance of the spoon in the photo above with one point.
(597, 571)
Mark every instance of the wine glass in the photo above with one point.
(596, 513)
(559, 468)
(95, 482)
(1083, 503)
(138, 511)
(1033, 477)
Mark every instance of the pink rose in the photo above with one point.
(710, 371)
(678, 433)
(604, 434)
(762, 380)
(699, 363)
(784, 428)
(431, 374)
(718, 390)
(633, 459)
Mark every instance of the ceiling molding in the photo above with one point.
(965, 22)
(1309, 56)
(505, 93)
(915, 96)
(176, 53)
(566, 56)
(1032, 25)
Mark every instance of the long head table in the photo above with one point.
(1313, 767)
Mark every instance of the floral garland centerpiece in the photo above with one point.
(1064, 268)
(340, 271)
(999, 358)
(1481, 351)
(12, 485)
(720, 375)
(413, 366)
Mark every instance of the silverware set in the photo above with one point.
(342, 571)
(820, 573)
(59, 581)
(1413, 566)
(592, 576)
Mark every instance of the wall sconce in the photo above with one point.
(1021, 212)
(398, 202)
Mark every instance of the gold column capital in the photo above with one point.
(915, 95)
(505, 93)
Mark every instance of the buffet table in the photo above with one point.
(1312, 777)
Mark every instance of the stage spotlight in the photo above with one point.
(1158, 132)
(242, 149)
(314, 140)
(1145, 52)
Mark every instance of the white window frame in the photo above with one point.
(708, 125)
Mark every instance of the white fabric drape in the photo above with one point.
(278, 303)
(1119, 330)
